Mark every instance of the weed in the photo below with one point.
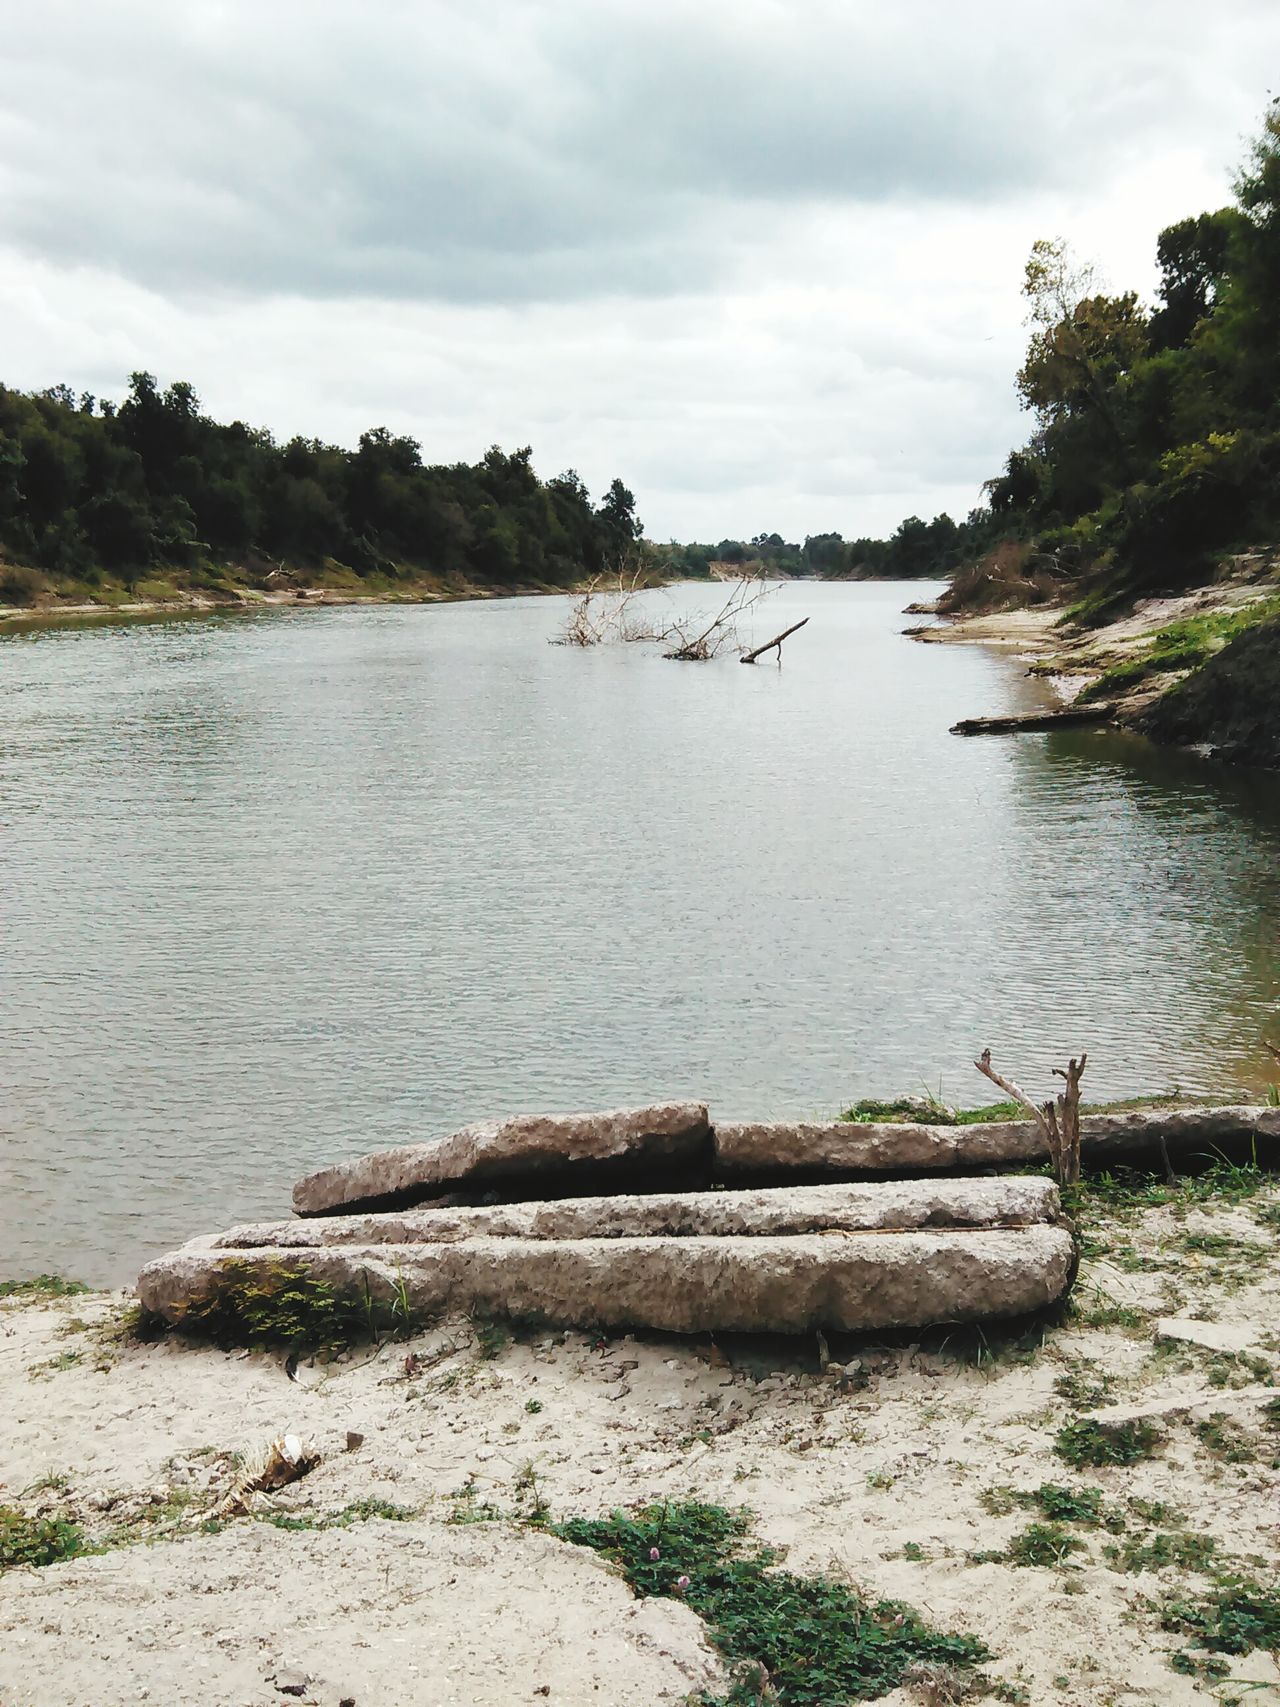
(36, 1540)
(1043, 1544)
(879, 1479)
(1153, 1511)
(469, 1508)
(913, 1551)
(810, 1641)
(1156, 1552)
(1084, 1387)
(64, 1360)
(492, 1336)
(1239, 1617)
(533, 1406)
(1067, 1505)
(1108, 1315)
(1096, 1443)
(43, 1286)
(283, 1304)
(1271, 1412)
(358, 1511)
(1224, 1439)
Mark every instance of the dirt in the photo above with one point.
(888, 1472)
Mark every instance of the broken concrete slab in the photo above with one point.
(661, 1144)
(1014, 1201)
(844, 1281)
(772, 1150)
(1230, 1337)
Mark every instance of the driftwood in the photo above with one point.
(750, 657)
(1058, 1119)
(1029, 721)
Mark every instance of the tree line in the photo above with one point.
(94, 492)
(1156, 446)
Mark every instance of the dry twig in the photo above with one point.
(1058, 1118)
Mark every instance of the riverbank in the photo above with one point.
(1138, 657)
(206, 601)
(1074, 1494)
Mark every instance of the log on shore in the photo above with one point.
(882, 1206)
(850, 1149)
(834, 1280)
(1029, 722)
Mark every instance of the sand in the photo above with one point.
(433, 1610)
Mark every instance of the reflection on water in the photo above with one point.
(283, 888)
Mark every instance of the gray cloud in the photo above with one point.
(525, 151)
(761, 257)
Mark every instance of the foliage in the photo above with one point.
(809, 1641)
(283, 1304)
(36, 1540)
(92, 492)
(1095, 1443)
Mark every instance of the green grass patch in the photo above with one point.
(1067, 1505)
(43, 1286)
(36, 1540)
(807, 1641)
(282, 1304)
(1096, 1443)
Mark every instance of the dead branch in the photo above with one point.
(1058, 1119)
(722, 630)
(750, 657)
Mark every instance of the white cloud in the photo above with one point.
(762, 259)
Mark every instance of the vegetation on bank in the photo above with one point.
(799, 1641)
(152, 494)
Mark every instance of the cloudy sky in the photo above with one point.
(759, 257)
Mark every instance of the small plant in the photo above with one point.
(533, 1406)
(1043, 1544)
(913, 1551)
(810, 1641)
(36, 1540)
(358, 1511)
(1096, 1443)
(283, 1304)
(1084, 1388)
(1224, 1439)
(1157, 1552)
(43, 1286)
(492, 1336)
(1239, 1617)
(1068, 1505)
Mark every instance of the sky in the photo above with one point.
(760, 258)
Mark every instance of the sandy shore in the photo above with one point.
(896, 1477)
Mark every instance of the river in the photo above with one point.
(281, 888)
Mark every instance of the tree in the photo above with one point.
(1082, 340)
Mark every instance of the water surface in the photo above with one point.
(283, 888)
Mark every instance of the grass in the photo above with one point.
(797, 1641)
(1096, 1443)
(282, 1304)
(1223, 1439)
(43, 1286)
(931, 1109)
(36, 1540)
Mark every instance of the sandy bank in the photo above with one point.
(895, 1477)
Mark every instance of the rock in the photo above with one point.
(847, 1281)
(526, 1153)
(1213, 1336)
(766, 1150)
(291, 1682)
(901, 1204)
